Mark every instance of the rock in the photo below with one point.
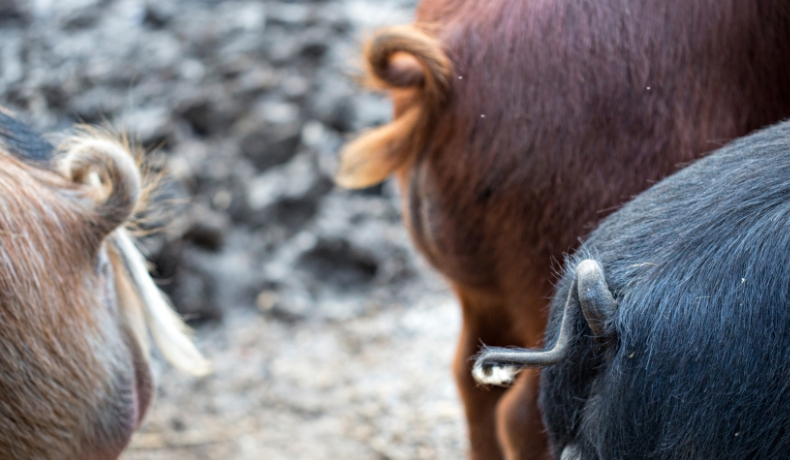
(332, 104)
(81, 18)
(369, 15)
(201, 117)
(287, 14)
(96, 104)
(157, 50)
(255, 79)
(239, 208)
(315, 43)
(272, 145)
(190, 288)
(337, 18)
(369, 110)
(149, 125)
(289, 305)
(299, 178)
(277, 112)
(191, 70)
(14, 10)
(291, 213)
(209, 114)
(286, 196)
(11, 59)
(55, 96)
(208, 228)
(282, 47)
(295, 86)
(325, 143)
(337, 263)
(158, 14)
(241, 17)
(192, 293)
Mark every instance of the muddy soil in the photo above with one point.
(330, 337)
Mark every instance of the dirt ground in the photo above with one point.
(329, 337)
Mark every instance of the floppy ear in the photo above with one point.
(110, 175)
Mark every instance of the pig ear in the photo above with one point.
(595, 299)
(110, 175)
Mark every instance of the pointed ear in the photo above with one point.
(595, 299)
(110, 176)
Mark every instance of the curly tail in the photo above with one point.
(401, 59)
(110, 174)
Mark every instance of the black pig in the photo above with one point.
(682, 348)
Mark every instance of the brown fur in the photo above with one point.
(55, 392)
(559, 111)
(74, 372)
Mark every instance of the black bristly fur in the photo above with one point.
(697, 360)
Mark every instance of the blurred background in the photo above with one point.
(330, 338)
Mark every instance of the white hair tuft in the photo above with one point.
(498, 375)
(168, 330)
